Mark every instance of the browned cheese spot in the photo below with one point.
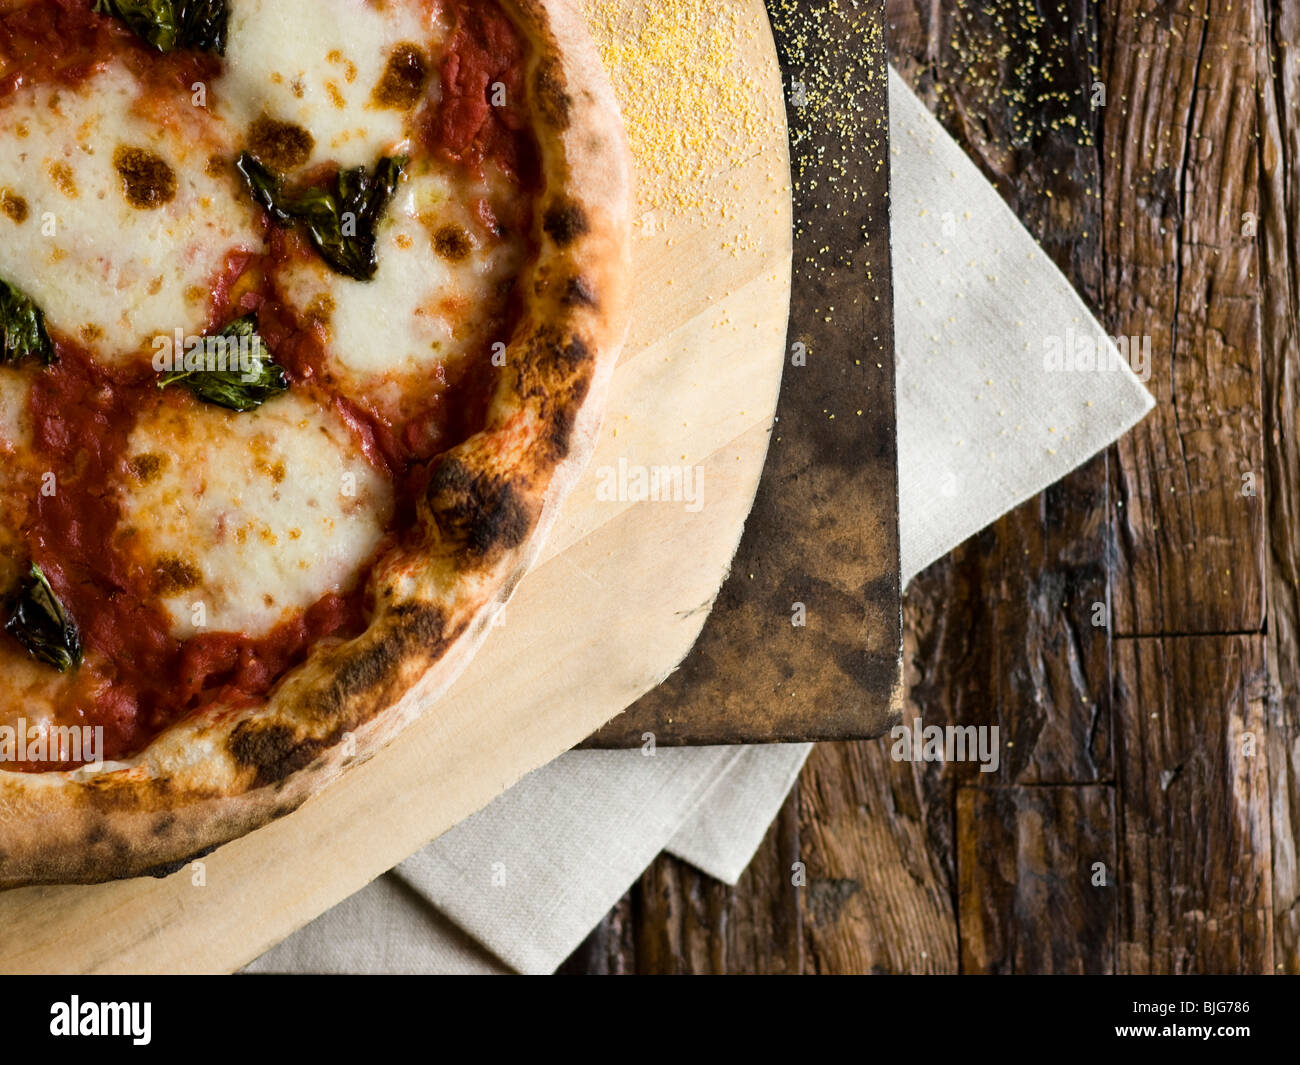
(174, 575)
(402, 84)
(274, 470)
(61, 175)
(148, 181)
(279, 145)
(14, 206)
(147, 466)
(320, 309)
(452, 243)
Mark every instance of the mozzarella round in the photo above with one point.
(113, 216)
(244, 519)
(316, 64)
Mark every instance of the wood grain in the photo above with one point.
(1278, 25)
(1181, 185)
(879, 896)
(1195, 848)
(1038, 872)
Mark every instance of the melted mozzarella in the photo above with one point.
(31, 689)
(109, 273)
(423, 310)
(315, 63)
(252, 516)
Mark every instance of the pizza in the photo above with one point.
(307, 314)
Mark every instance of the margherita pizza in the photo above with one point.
(307, 310)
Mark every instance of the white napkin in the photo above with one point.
(984, 422)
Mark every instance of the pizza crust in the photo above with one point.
(491, 501)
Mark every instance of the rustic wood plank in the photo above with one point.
(872, 836)
(1179, 136)
(677, 920)
(1013, 634)
(1195, 847)
(1036, 891)
(1279, 251)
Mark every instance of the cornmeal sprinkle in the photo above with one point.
(690, 105)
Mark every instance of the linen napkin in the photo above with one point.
(1005, 384)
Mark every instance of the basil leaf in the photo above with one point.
(242, 387)
(22, 328)
(172, 24)
(340, 221)
(39, 622)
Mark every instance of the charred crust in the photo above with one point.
(273, 752)
(553, 102)
(578, 293)
(425, 624)
(166, 869)
(574, 352)
(565, 222)
(415, 626)
(555, 349)
(365, 670)
(163, 824)
(563, 417)
(482, 512)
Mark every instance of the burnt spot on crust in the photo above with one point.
(565, 222)
(163, 824)
(555, 374)
(417, 626)
(166, 869)
(578, 293)
(273, 752)
(424, 625)
(402, 84)
(279, 145)
(147, 179)
(482, 512)
(551, 352)
(553, 103)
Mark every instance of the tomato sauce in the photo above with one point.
(137, 679)
(64, 42)
(140, 678)
(482, 113)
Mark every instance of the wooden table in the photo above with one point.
(1146, 818)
